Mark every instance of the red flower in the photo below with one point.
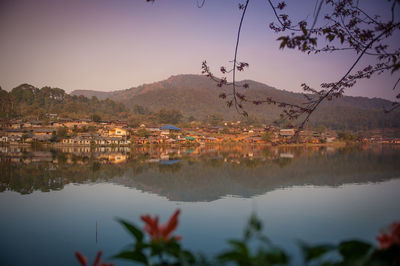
(389, 237)
(83, 260)
(161, 232)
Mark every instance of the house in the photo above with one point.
(170, 127)
(117, 132)
(41, 138)
(42, 131)
(16, 125)
(27, 124)
(287, 132)
(36, 124)
(119, 123)
(14, 132)
(56, 124)
(68, 141)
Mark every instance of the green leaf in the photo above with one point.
(314, 252)
(395, 67)
(385, 256)
(304, 30)
(313, 41)
(284, 40)
(230, 256)
(133, 256)
(254, 223)
(137, 233)
(330, 37)
(276, 257)
(341, 37)
(354, 251)
(239, 246)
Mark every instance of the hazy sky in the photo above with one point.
(116, 44)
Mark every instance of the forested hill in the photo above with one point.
(189, 97)
(29, 102)
(197, 96)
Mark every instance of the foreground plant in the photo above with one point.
(160, 247)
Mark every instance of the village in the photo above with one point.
(85, 132)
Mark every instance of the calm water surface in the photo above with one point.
(51, 200)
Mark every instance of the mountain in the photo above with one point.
(197, 96)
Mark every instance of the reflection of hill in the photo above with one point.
(202, 175)
(205, 182)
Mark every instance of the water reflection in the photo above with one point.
(197, 174)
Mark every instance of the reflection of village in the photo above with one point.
(233, 154)
(84, 132)
(196, 173)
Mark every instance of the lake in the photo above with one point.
(52, 199)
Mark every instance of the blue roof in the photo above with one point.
(170, 127)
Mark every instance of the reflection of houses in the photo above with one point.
(117, 158)
(100, 141)
(103, 141)
(286, 155)
(77, 141)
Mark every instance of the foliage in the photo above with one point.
(266, 136)
(27, 101)
(96, 118)
(171, 136)
(347, 113)
(169, 116)
(62, 132)
(134, 121)
(254, 248)
(160, 248)
(344, 27)
(215, 119)
(142, 133)
(346, 136)
(140, 110)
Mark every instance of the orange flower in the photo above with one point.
(389, 237)
(161, 232)
(83, 260)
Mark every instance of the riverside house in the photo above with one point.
(117, 133)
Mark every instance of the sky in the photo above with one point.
(110, 45)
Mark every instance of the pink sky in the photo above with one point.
(116, 44)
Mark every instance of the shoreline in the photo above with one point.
(61, 145)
